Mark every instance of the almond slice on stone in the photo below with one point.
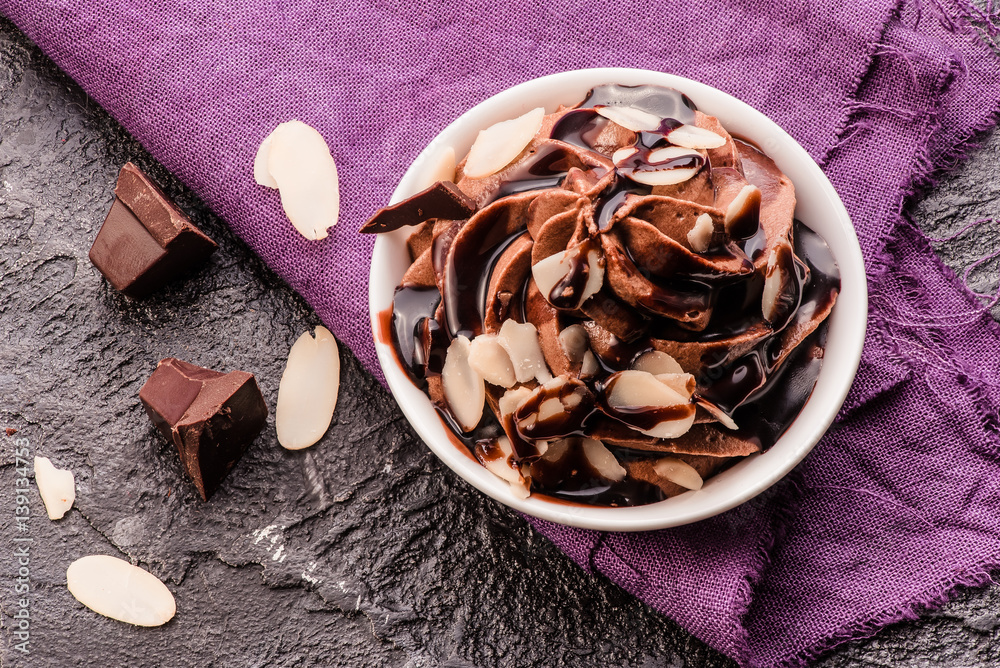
(498, 145)
(632, 394)
(679, 472)
(55, 486)
(691, 136)
(700, 236)
(307, 394)
(299, 162)
(656, 362)
(490, 360)
(631, 118)
(602, 460)
(115, 588)
(520, 340)
(550, 272)
(464, 389)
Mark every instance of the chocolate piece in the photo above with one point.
(146, 241)
(211, 417)
(441, 200)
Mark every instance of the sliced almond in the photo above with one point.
(520, 340)
(700, 236)
(623, 154)
(661, 155)
(602, 460)
(512, 399)
(55, 486)
(678, 472)
(557, 450)
(464, 389)
(549, 272)
(589, 366)
(656, 362)
(508, 470)
(299, 162)
(658, 171)
(307, 394)
(743, 213)
(780, 295)
(554, 410)
(691, 136)
(631, 118)
(115, 588)
(663, 177)
(682, 383)
(635, 393)
(575, 343)
(489, 359)
(499, 144)
(260, 172)
(549, 409)
(440, 167)
(718, 414)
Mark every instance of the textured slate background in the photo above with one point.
(362, 550)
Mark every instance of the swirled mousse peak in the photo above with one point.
(612, 302)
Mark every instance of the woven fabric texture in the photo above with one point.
(896, 506)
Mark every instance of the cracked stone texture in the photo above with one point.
(361, 551)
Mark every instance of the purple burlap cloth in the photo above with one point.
(898, 505)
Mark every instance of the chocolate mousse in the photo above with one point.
(630, 308)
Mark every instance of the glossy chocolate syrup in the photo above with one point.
(572, 478)
(761, 391)
(467, 276)
(566, 293)
(580, 128)
(657, 100)
(749, 378)
(412, 307)
(763, 401)
(577, 405)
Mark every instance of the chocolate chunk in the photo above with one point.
(211, 417)
(146, 241)
(441, 200)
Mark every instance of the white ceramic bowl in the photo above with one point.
(818, 206)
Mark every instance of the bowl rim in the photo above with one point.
(747, 478)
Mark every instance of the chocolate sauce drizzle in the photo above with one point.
(762, 392)
(566, 293)
(666, 103)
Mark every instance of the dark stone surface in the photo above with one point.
(361, 551)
